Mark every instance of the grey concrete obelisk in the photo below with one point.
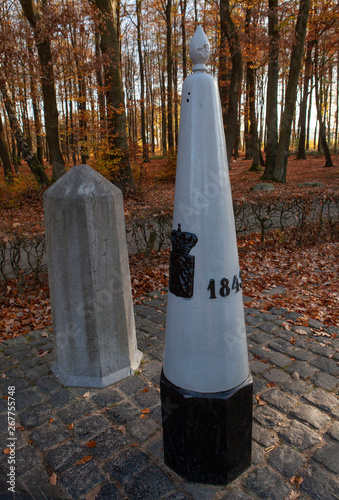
(91, 300)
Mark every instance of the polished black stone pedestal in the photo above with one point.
(207, 437)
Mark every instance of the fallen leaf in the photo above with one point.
(286, 325)
(145, 390)
(299, 331)
(293, 496)
(145, 411)
(84, 460)
(53, 479)
(297, 480)
(92, 495)
(101, 411)
(70, 426)
(271, 384)
(6, 451)
(91, 444)
(86, 395)
(122, 429)
(51, 420)
(142, 416)
(42, 353)
(260, 401)
(292, 340)
(296, 375)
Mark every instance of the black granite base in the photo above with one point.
(207, 437)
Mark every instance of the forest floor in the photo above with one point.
(275, 273)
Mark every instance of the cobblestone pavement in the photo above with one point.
(107, 443)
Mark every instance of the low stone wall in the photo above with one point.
(20, 255)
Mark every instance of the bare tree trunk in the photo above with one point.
(272, 91)
(170, 135)
(43, 44)
(183, 7)
(280, 169)
(4, 155)
(116, 116)
(322, 129)
(29, 156)
(145, 154)
(100, 83)
(229, 33)
(303, 107)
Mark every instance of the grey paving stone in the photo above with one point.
(325, 380)
(132, 385)
(35, 482)
(198, 491)
(236, 494)
(76, 410)
(123, 467)
(81, 479)
(258, 453)
(157, 448)
(318, 484)
(280, 345)
(48, 384)
(90, 426)
(263, 436)
(328, 455)
(61, 398)
(50, 434)
(27, 398)
(258, 384)
(151, 368)
(109, 442)
(279, 399)
(333, 431)
(267, 483)
(149, 345)
(260, 337)
(253, 320)
(268, 327)
(287, 460)
(178, 495)
(62, 457)
(124, 412)
(326, 365)
(258, 367)
(37, 372)
(149, 484)
(296, 387)
(311, 415)
(302, 368)
(106, 397)
(35, 415)
(143, 429)
(276, 375)
(26, 458)
(149, 398)
(261, 351)
(321, 399)
(301, 354)
(268, 417)
(298, 435)
(158, 354)
(108, 491)
(29, 363)
(323, 350)
(279, 359)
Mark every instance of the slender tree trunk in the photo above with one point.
(229, 33)
(280, 169)
(100, 83)
(145, 154)
(4, 155)
(303, 107)
(43, 44)
(272, 91)
(309, 114)
(322, 128)
(30, 157)
(170, 135)
(183, 7)
(116, 116)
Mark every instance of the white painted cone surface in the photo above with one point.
(206, 349)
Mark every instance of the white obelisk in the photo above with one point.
(206, 349)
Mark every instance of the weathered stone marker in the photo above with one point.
(206, 385)
(89, 279)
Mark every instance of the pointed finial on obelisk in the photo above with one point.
(199, 50)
